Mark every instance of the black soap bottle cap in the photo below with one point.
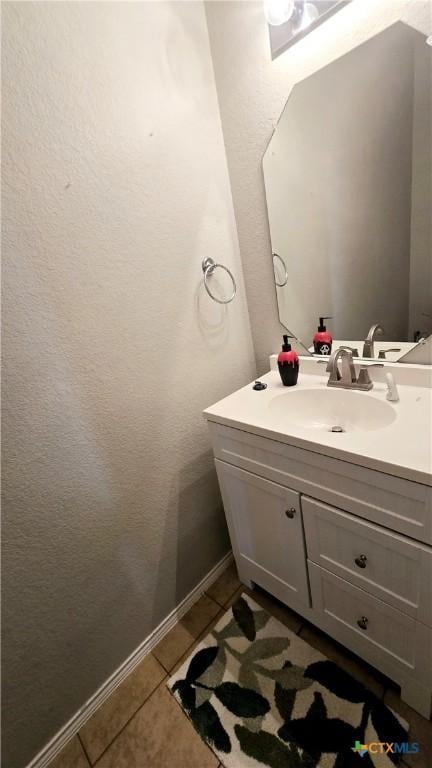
(286, 346)
(321, 326)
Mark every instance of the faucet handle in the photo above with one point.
(382, 353)
(364, 379)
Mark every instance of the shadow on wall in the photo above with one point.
(194, 508)
(213, 320)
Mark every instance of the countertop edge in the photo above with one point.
(405, 473)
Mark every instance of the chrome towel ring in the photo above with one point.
(276, 256)
(208, 267)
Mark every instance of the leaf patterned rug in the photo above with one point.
(259, 695)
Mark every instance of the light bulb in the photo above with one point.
(310, 14)
(278, 11)
(429, 40)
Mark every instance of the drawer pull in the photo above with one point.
(361, 561)
(363, 622)
(290, 512)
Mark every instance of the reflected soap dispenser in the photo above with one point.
(288, 363)
(322, 340)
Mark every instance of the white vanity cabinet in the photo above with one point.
(347, 547)
(265, 525)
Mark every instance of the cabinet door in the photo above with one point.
(265, 525)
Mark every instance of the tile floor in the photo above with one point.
(142, 726)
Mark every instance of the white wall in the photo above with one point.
(115, 186)
(252, 92)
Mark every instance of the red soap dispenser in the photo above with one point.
(322, 340)
(288, 363)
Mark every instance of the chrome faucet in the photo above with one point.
(368, 346)
(346, 377)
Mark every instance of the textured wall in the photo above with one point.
(115, 186)
(252, 91)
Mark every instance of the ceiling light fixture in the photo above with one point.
(309, 14)
(277, 12)
(290, 20)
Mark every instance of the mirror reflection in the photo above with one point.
(348, 177)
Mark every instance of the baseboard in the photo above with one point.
(49, 752)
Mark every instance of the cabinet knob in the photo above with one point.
(363, 622)
(290, 512)
(361, 561)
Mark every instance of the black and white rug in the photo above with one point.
(259, 695)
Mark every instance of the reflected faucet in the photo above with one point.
(368, 346)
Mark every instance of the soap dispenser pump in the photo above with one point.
(322, 340)
(288, 363)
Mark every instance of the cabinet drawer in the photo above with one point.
(265, 525)
(390, 640)
(389, 566)
(401, 505)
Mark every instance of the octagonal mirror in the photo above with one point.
(348, 177)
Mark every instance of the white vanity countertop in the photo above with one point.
(402, 448)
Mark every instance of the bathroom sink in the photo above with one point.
(394, 438)
(331, 410)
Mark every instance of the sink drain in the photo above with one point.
(337, 429)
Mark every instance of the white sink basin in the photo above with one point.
(394, 438)
(331, 410)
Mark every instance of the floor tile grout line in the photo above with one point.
(163, 681)
(161, 662)
(229, 605)
(211, 599)
(84, 749)
(225, 604)
(214, 599)
(195, 640)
